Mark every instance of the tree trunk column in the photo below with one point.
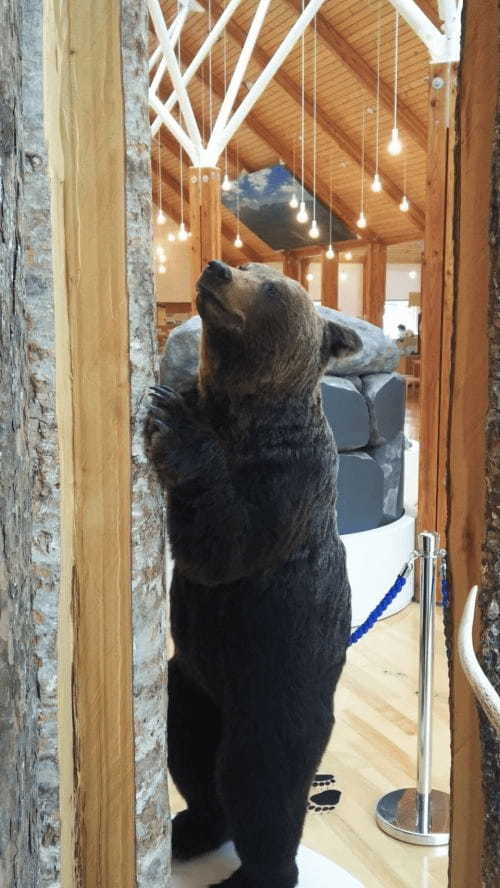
(205, 218)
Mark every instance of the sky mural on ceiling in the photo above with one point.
(264, 208)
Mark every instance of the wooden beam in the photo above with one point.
(344, 141)
(374, 275)
(436, 303)
(291, 265)
(205, 222)
(330, 281)
(366, 75)
(474, 835)
(85, 131)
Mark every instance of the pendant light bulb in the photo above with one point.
(294, 202)
(361, 223)
(162, 269)
(238, 241)
(330, 253)
(348, 255)
(160, 251)
(171, 237)
(395, 145)
(182, 233)
(314, 230)
(302, 215)
(161, 218)
(226, 183)
(404, 206)
(343, 275)
(376, 184)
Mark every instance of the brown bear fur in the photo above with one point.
(260, 596)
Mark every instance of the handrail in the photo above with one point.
(483, 689)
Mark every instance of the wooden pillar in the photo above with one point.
(437, 300)
(304, 265)
(472, 526)
(374, 274)
(330, 282)
(205, 219)
(291, 265)
(85, 128)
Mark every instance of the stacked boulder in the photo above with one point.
(364, 402)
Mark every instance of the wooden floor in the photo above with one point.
(373, 750)
(412, 416)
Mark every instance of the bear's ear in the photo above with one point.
(339, 341)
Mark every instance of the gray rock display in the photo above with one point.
(346, 411)
(390, 458)
(378, 355)
(385, 396)
(180, 359)
(360, 491)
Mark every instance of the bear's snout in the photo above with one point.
(219, 270)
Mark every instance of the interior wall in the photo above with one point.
(351, 288)
(175, 284)
(399, 284)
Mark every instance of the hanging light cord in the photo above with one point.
(159, 173)
(181, 176)
(396, 53)
(377, 135)
(363, 136)
(315, 128)
(210, 97)
(302, 124)
(225, 88)
(237, 193)
(331, 192)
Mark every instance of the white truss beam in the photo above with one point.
(215, 149)
(174, 33)
(176, 77)
(239, 71)
(198, 59)
(443, 47)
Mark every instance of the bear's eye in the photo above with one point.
(269, 290)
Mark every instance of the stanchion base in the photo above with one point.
(396, 815)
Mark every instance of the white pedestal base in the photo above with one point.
(374, 559)
(315, 871)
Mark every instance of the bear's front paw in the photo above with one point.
(193, 835)
(168, 408)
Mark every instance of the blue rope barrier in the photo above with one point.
(381, 606)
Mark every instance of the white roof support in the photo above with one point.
(199, 58)
(176, 76)
(443, 47)
(174, 34)
(225, 126)
(239, 71)
(215, 148)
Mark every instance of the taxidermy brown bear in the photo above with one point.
(260, 599)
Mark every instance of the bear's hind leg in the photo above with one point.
(193, 737)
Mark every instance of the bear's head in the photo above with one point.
(261, 331)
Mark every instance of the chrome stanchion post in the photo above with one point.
(421, 816)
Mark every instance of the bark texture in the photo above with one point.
(44, 449)
(490, 594)
(148, 536)
(18, 824)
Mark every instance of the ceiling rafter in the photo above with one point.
(348, 145)
(366, 75)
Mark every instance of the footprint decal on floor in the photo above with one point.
(327, 799)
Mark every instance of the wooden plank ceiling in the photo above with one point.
(346, 86)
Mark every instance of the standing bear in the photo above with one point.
(260, 601)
